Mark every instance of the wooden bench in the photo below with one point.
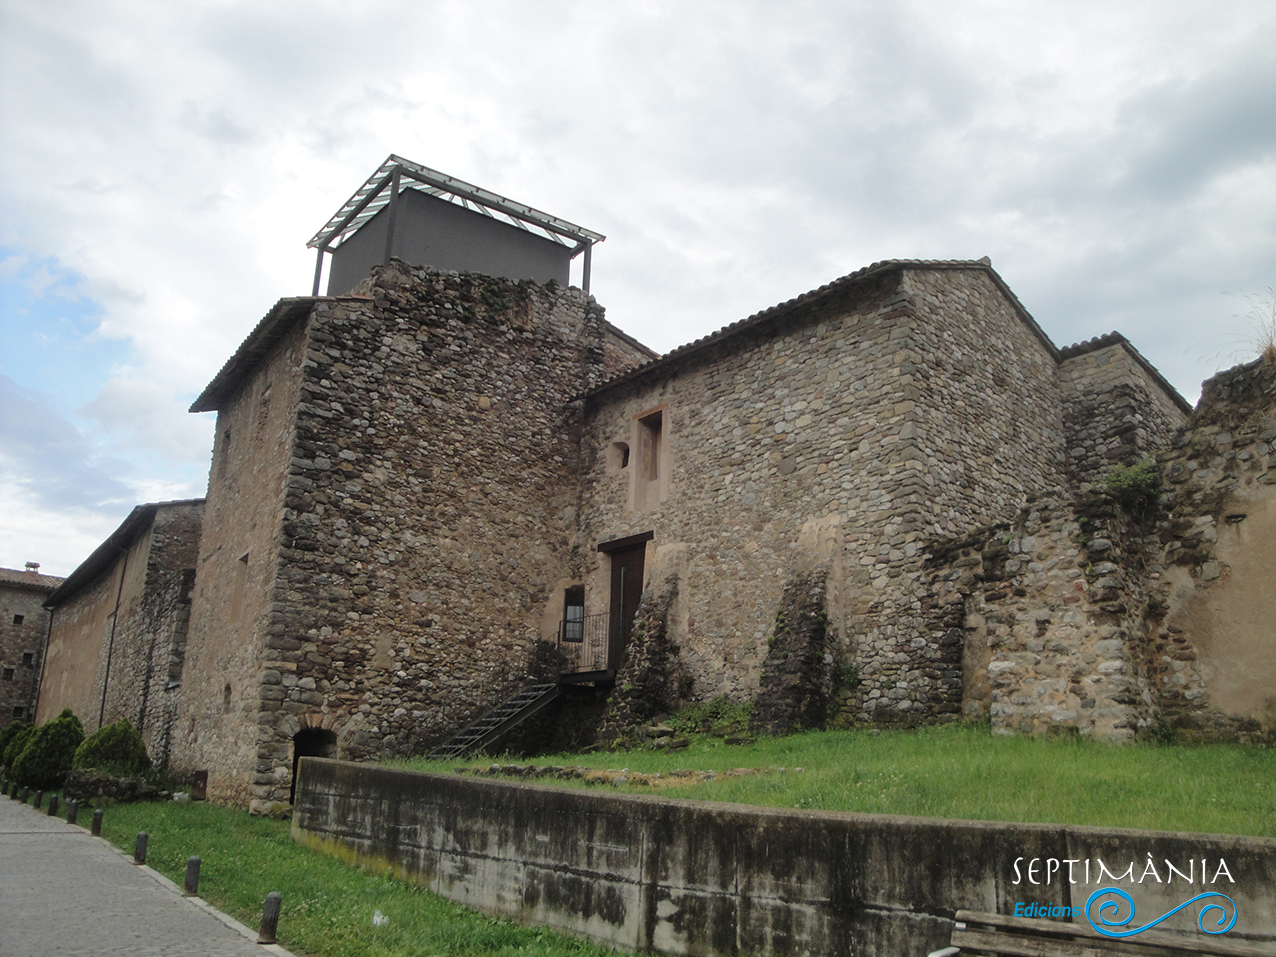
(993, 935)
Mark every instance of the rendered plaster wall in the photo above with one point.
(685, 877)
(430, 497)
(18, 639)
(1213, 651)
(1115, 413)
(217, 728)
(913, 403)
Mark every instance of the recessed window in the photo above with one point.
(18, 619)
(7, 675)
(19, 712)
(28, 659)
(650, 468)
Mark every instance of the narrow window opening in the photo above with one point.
(19, 712)
(226, 698)
(237, 594)
(8, 674)
(28, 659)
(18, 619)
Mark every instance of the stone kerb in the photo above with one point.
(687, 877)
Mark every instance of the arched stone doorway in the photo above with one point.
(310, 742)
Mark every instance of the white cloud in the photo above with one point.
(1117, 162)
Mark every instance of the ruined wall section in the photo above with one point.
(431, 497)
(232, 605)
(1049, 611)
(1115, 411)
(874, 411)
(1212, 652)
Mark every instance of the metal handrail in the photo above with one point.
(584, 642)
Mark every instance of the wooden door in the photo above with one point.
(626, 592)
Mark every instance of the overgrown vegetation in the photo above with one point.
(1136, 487)
(46, 752)
(961, 771)
(718, 717)
(115, 749)
(328, 907)
(8, 736)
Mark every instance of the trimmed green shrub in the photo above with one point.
(46, 760)
(116, 748)
(12, 740)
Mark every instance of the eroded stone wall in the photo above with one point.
(1213, 651)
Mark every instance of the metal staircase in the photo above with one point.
(529, 701)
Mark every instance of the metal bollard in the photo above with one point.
(270, 917)
(53, 805)
(192, 878)
(39, 800)
(139, 847)
(72, 811)
(96, 829)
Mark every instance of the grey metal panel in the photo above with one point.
(434, 232)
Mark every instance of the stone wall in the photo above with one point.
(1051, 610)
(23, 631)
(1117, 409)
(1211, 656)
(846, 426)
(414, 507)
(117, 641)
(688, 877)
(238, 562)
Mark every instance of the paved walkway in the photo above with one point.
(63, 892)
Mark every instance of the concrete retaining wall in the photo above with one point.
(697, 878)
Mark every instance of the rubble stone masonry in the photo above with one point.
(118, 637)
(842, 430)
(24, 627)
(416, 522)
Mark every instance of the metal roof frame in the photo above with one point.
(374, 196)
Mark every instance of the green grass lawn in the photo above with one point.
(961, 771)
(328, 907)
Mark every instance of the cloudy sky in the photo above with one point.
(162, 165)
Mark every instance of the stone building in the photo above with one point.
(24, 630)
(415, 486)
(873, 503)
(117, 639)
